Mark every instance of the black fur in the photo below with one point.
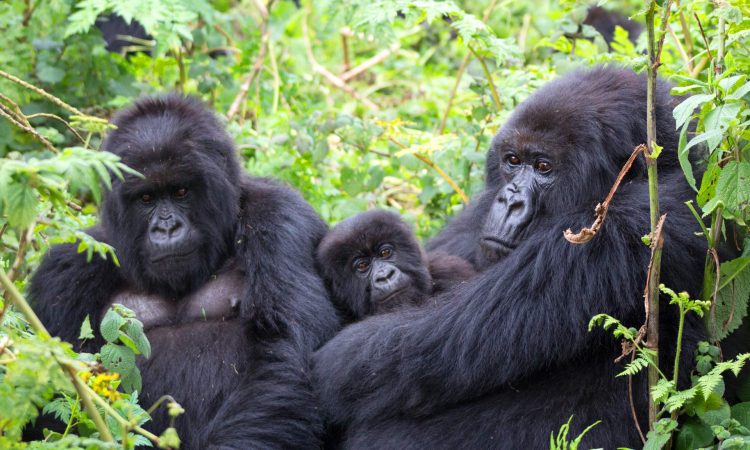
(605, 22)
(506, 358)
(244, 382)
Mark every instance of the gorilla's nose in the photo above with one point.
(384, 275)
(167, 229)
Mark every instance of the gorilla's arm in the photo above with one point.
(274, 408)
(518, 318)
(65, 288)
(448, 271)
(284, 294)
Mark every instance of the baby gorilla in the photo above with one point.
(372, 264)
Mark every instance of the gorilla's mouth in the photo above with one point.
(497, 245)
(162, 257)
(393, 295)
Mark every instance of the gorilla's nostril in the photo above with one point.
(515, 208)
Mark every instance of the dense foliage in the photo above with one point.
(358, 104)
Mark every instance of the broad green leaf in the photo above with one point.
(110, 327)
(732, 298)
(715, 416)
(118, 358)
(684, 111)
(732, 191)
(693, 434)
(741, 413)
(134, 330)
(709, 180)
(20, 204)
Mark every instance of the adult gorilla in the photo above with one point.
(233, 351)
(507, 359)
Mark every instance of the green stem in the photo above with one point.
(679, 346)
(493, 89)
(652, 327)
(22, 305)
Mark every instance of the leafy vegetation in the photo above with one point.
(358, 104)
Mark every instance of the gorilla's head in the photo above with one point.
(174, 226)
(372, 263)
(561, 150)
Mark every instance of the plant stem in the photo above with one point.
(652, 327)
(19, 302)
(679, 346)
(486, 70)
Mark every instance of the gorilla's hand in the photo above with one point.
(276, 242)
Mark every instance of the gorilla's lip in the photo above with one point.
(175, 255)
(393, 294)
(497, 244)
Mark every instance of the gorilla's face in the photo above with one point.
(173, 226)
(373, 264)
(526, 169)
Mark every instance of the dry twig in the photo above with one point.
(331, 78)
(586, 234)
(258, 65)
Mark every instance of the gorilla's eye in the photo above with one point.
(513, 160)
(543, 166)
(385, 252)
(361, 264)
(180, 193)
(147, 198)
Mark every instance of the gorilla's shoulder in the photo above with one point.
(265, 200)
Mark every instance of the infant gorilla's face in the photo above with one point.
(373, 264)
(385, 282)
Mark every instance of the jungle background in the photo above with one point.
(358, 104)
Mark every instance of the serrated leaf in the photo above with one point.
(684, 111)
(131, 381)
(732, 298)
(86, 331)
(683, 156)
(741, 413)
(732, 191)
(110, 327)
(134, 329)
(693, 434)
(715, 416)
(709, 180)
(117, 358)
(20, 204)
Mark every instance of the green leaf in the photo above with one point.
(131, 381)
(134, 330)
(684, 111)
(709, 180)
(20, 203)
(683, 156)
(732, 192)
(86, 331)
(715, 416)
(118, 358)
(110, 327)
(741, 413)
(732, 298)
(693, 434)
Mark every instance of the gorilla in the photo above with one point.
(505, 359)
(372, 264)
(605, 21)
(218, 265)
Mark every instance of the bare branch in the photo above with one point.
(586, 234)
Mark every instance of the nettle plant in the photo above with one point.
(714, 130)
